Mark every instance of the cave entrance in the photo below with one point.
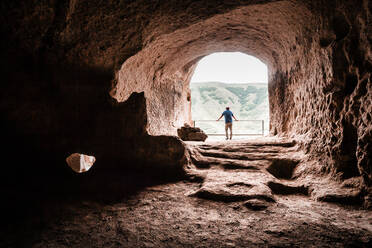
(235, 80)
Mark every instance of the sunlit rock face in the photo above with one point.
(71, 71)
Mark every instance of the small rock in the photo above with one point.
(80, 162)
(256, 204)
(188, 133)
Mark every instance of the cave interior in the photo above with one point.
(111, 79)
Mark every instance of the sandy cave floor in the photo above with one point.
(182, 214)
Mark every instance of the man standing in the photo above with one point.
(228, 121)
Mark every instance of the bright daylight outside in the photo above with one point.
(234, 80)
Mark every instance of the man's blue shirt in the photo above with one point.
(228, 116)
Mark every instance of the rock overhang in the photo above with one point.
(271, 32)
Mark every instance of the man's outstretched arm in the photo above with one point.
(234, 118)
(219, 118)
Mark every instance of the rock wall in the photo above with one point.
(326, 96)
(71, 71)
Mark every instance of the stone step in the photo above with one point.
(238, 155)
(246, 171)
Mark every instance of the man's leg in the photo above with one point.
(230, 130)
(226, 127)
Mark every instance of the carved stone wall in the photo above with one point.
(70, 70)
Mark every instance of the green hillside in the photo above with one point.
(247, 101)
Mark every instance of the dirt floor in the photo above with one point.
(239, 198)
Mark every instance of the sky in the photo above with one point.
(233, 67)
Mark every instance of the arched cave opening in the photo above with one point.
(235, 80)
(306, 89)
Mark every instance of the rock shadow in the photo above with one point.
(282, 189)
(282, 168)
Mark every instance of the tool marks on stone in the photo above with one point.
(246, 171)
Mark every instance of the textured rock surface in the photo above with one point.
(188, 133)
(251, 170)
(330, 112)
(104, 77)
(264, 169)
(232, 207)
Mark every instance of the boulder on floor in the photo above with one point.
(188, 133)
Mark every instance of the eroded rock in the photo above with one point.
(282, 168)
(188, 133)
(283, 189)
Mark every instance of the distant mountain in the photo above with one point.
(248, 101)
